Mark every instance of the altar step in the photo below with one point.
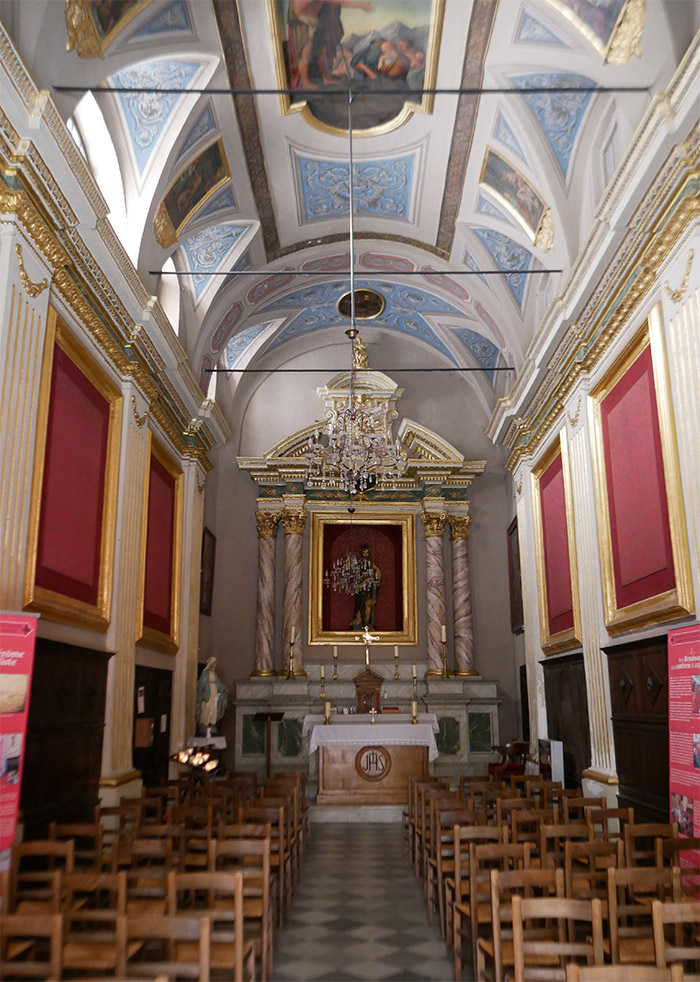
(362, 814)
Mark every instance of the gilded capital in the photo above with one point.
(433, 524)
(267, 524)
(294, 522)
(459, 526)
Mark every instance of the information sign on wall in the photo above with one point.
(17, 640)
(684, 733)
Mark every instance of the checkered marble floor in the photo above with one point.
(358, 913)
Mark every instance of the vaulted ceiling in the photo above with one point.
(470, 208)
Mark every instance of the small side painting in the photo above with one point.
(384, 49)
(596, 19)
(513, 191)
(193, 185)
(206, 576)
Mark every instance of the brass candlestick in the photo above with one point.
(414, 710)
(290, 671)
(396, 666)
(323, 687)
(415, 687)
(335, 666)
(446, 673)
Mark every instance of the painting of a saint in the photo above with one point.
(194, 183)
(503, 180)
(373, 46)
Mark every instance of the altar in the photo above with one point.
(365, 763)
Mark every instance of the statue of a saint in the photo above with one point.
(212, 699)
(359, 354)
(364, 614)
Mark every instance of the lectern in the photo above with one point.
(269, 718)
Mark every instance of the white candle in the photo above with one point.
(414, 707)
(323, 671)
(327, 710)
(413, 671)
(292, 634)
(335, 651)
(443, 633)
(396, 651)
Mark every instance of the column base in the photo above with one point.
(298, 673)
(438, 673)
(262, 673)
(467, 671)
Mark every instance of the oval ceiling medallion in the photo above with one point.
(368, 304)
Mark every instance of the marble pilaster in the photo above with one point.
(294, 523)
(462, 596)
(434, 527)
(265, 632)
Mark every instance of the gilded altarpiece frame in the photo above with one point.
(391, 541)
(64, 604)
(645, 564)
(166, 640)
(555, 549)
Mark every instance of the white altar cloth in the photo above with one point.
(365, 734)
(353, 719)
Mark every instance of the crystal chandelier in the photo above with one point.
(352, 574)
(354, 451)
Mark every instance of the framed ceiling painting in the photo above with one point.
(387, 542)
(639, 500)
(555, 547)
(161, 552)
(92, 25)
(386, 50)
(70, 549)
(194, 185)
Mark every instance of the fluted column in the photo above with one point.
(294, 523)
(434, 526)
(267, 532)
(462, 596)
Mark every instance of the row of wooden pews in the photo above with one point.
(191, 880)
(532, 881)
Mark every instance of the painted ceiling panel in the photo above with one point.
(405, 307)
(505, 134)
(486, 208)
(203, 125)
(220, 202)
(382, 188)
(207, 251)
(484, 351)
(146, 113)
(558, 113)
(510, 257)
(533, 31)
(172, 19)
(239, 344)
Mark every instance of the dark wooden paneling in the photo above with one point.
(157, 688)
(567, 713)
(64, 735)
(638, 673)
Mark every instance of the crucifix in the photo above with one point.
(368, 639)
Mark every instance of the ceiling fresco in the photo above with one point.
(470, 202)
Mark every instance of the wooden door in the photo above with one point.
(152, 703)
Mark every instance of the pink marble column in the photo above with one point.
(294, 523)
(462, 596)
(265, 636)
(434, 526)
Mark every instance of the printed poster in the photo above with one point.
(17, 641)
(684, 731)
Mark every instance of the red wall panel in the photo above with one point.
(557, 570)
(157, 605)
(638, 508)
(72, 496)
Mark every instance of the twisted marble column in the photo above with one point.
(434, 526)
(294, 523)
(265, 636)
(462, 596)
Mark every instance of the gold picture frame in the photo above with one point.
(148, 636)
(324, 624)
(166, 231)
(53, 605)
(672, 603)
(569, 637)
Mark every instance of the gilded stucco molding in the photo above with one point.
(678, 293)
(573, 420)
(544, 236)
(33, 289)
(82, 32)
(433, 524)
(163, 228)
(267, 523)
(459, 526)
(626, 39)
(294, 522)
(139, 420)
(200, 484)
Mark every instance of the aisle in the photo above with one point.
(358, 913)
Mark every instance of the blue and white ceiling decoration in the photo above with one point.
(172, 19)
(203, 125)
(485, 352)
(505, 134)
(533, 31)
(207, 251)
(238, 345)
(405, 307)
(487, 208)
(382, 187)
(558, 113)
(510, 257)
(471, 263)
(220, 202)
(146, 113)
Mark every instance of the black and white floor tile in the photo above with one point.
(358, 913)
